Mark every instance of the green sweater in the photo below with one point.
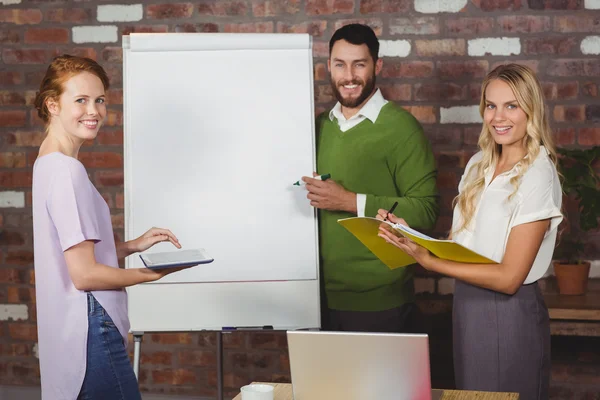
(389, 160)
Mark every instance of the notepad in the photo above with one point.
(173, 259)
(366, 230)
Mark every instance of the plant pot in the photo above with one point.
(572, 278)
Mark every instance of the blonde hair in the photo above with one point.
(528, 92)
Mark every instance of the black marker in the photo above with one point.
(391, 210)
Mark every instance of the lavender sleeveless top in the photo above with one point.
(67, 210)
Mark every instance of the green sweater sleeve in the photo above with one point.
(413, 164)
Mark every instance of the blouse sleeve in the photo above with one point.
(540, 200)
(71, 205)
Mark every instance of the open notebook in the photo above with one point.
(366, 229)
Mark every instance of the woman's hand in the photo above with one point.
(156, 274)
(419, 253)
(152, 237)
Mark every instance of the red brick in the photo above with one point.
(555, 4)
(15, 179)
(10, 275)
(559, 45)
(470, 26)
(46, 35)
(374, 23)
(171, 338)
(19, 220)
(328, 7)
(384, 6)
(120, 201)
(397, 92)
(114, 96)
(114, 118)
(12, 98)
(174, 377)
(101, 160)
(12, 118)
(10, 78)
(20, 295)
(462, 69)
(12, 160)
(21, 16)
(110, 137)
(569, 113)
(156, 358)
(523, 23)
(445, 136)
(590, 89)
(109, 178)
(9, 36)
(561, 90)
(589, 137)
(314, 28)
(414, 26)
(592, 112)
(167, 11)
(409, 69)
(250, 27)
(272, 8)
(23, 331)
(587, 23)
(324, 94)
(67, 15)
(26, 56)
(439, 92)
(15, 349)
(440, 47)
(126, 30)
(474, 92)
(494, 5)
(447, 180)
(198, 358)
(425, 114)
(203, 27)
(321, 73)
(320, 49)
(223, 8)
(565, 136)
(26, 138)
(112, 54)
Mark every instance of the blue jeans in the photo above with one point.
(108, 373)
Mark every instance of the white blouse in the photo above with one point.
(538, 197)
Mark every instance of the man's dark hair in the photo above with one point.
(357, 34)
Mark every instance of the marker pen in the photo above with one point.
(323, 177)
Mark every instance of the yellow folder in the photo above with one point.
(366, 229)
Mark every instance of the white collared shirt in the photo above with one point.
(369, 111)
(538, 197)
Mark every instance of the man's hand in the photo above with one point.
(329, 195)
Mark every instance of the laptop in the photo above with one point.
(359, 366)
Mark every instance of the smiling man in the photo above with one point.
(377, 155)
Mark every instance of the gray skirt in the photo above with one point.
(501, 342)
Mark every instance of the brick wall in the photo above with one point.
(435, 56)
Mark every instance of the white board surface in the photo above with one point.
(217, 128)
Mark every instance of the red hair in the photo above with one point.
(61, 69)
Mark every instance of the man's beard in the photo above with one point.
(364, 94)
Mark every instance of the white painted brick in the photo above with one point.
(592, 4)
(394, 48)
(7, 2)
(424, 285)
(36, 351)
(12, 199)
(590, 45)
(503, 46)
(460, 115)
(446, 286)
(95, 34)
(439, 6)
(120, 13)
(13, 311)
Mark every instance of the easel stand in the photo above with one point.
(137, 347)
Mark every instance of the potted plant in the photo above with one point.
(582, 184)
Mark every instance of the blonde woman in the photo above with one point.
(507, 209)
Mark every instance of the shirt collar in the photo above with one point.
(370, 110)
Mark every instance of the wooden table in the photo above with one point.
(283, 391)
(574, 315)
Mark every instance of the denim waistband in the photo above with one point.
(93, 305)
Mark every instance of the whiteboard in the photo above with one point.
(217, 128)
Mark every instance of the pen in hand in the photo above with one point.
(391, 210)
